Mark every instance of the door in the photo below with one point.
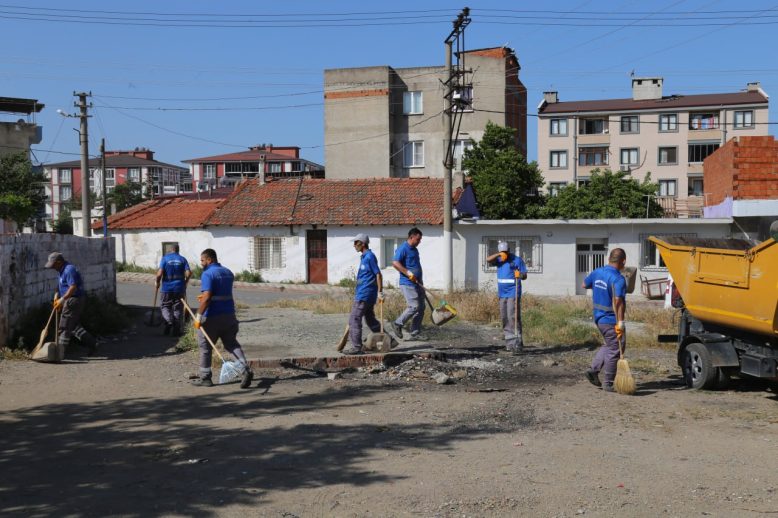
(316, 250)
(589, 255)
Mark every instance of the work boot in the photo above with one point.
(351, 349)
(202, 382)
(593, 377)
(166, 330)
(516, 350)
(398, 330)
(247, 377)
(608, 387)
(418, 337)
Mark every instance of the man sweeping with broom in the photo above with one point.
(609, 291)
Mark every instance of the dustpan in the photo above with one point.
(443, 313)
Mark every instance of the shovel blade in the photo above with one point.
(50, 352)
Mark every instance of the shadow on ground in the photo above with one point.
(190, 455)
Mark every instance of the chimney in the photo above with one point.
(646, 88)
(551, 97)
(753, 87)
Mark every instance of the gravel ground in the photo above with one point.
(125, 434)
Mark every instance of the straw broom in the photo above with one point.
(624, 382)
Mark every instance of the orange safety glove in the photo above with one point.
(503, 256)
(57, 303)
(411, 277)
(199, 321)
(517, 274)
(620, 328)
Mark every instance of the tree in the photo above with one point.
(506, 186)
(21, 189)
(64, 222)
(607, 195)
(126, 195)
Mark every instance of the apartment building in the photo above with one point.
(668, 136)
(264, 161)
(137, 165)
(385, 122)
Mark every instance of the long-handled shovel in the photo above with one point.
(516, 313)
(230, 371)
(441, 314)
(151, 321)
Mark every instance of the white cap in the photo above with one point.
(361, 237)
(502, 246)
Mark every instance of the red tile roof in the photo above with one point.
(665, 103)
(178, 212)
(374, 201)
(307, 201)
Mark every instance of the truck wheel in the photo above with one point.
(698, 372)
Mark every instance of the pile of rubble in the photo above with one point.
(441, 372)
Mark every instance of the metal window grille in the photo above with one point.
(650, 258)
(267, 253)
(529, 248)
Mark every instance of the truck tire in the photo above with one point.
(698, 371)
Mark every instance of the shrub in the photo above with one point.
(248, 276)
(133, 268)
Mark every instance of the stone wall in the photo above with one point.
(25, 283)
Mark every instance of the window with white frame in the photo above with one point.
(529, 248)
(668, 155)
(413, 103)
(413, 154)
(65, 176)
(591, 156)
(668, 188)
(650, 258)
(133, 174)
(744, 119)
(460, 146)
(268, 253)
(275, 167)
(209, 171)
(389, 246)
(558, 160)
(630, 156)
(65, 192)
(462, 99)
(110, 179)
(555, 187)
(630, 124)
(668, 122)
(559, 127)
(703, 121)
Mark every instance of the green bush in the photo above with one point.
(133, 268)
(248, 276)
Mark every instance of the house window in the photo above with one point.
(389, 247)
(65, 176)
(529, 248)
(668, 156)
(668, 122)
(110, 179)
(209, 171)
(629, 156)
(414, 154)
(65, 192)
(296, 167)
(583, 182)
(699, 152)
(168, 247)
(413, 103)
(555, 187)
(630, 124)
(559, 127)
(650, 258)
(744, 119)
(695, 187)
(268, 253)
(460, 146)
(591, 156)
(133, 174)
(668, 188)
(591, 126)
(275, 167)
(558, 160)
(241, 167)
(703, 121)
(463, 99)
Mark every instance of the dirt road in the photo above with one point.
(125, 434)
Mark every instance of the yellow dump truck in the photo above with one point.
(727, 290)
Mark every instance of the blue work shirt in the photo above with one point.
(68, 277)
(218, 280)
(506, 279)
(606, 283)
(408, 256)
(173, 267)
(367, 285)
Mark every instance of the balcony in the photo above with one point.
(682, 208)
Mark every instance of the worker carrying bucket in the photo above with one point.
(511, 270)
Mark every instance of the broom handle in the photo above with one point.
(613, 304)
(208, 338)
(381, 310)
(516, 310)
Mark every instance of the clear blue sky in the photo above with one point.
(584, 50)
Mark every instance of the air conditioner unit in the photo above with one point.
(626, 168)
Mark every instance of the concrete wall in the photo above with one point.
(26, 284)
(18, 136)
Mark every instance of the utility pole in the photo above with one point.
(86, 211)
(105, 202)
(454, 98)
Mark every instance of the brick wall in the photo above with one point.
(25, 284)
(745, 168)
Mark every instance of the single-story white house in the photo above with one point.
(301, 230)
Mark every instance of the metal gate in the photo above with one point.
(589, 255)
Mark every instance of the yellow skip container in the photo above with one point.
(725, 281)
